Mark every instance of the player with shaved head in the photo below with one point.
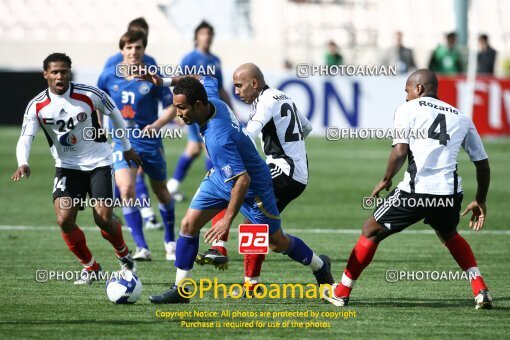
(431, 176)
(282, 129)
(240, 181)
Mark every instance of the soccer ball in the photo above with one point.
(124, 287)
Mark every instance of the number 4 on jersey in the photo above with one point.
(60, 184)
(441, 136)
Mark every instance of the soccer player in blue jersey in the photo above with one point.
(202, 57)
(239, 181)
(138, 103)
(138, 24)
(151, 222)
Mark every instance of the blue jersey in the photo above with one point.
(232, 152)
(116, 59)
(197, 58)
(136, 100)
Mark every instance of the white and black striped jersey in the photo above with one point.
(68, 122)
(284, 130)
(432, 159)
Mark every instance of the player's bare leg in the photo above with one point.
(167, 210)
(463, 255)
(111, 230)
(75, 238)
(186, 251)
(125, 179)
(191, 152)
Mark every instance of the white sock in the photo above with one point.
(170, 246)
(252, 280)
(173, 185)
(348, 282)
(147, 212)
(90, 263)
(316, 263)
(219, 243)
(472, 273)
(181, 274)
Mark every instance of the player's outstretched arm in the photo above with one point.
(238, 193)
(477, 207)
(152, 78)
(397, 158)
(166, 116)
(22, 153)
(158, 81)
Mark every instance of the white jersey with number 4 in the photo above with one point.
(282, 134)
(432, 159)
(70, 123)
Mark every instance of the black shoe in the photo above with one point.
(324, 275)
(214, 257)
(127, 263)
(483, 300)
(171, 296)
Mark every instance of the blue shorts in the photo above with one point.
(154, 164)
(259, 209)
(194, 133)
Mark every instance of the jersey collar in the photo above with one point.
(255, 102)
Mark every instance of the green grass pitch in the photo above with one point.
(341, 173)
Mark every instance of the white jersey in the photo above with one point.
(68, 121)
(432, 159)
(282, 134)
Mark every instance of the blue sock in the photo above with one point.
(186, 251)
(141, 188)
(208, 164)
(142, 194)
(168, 215)
(134, 222)
(299, 251)
(182, 167)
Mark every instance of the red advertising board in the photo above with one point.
(491, 109)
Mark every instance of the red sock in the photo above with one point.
(221, 249)
(215, 219)
(117, 240)
(360, 258)
(253, 264)
(462, 253)
(75, 240)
